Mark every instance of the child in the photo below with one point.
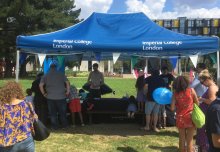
(84, 97)
(140, 86)
(183, 99)
(162, 117)
(132, 108)
(29, 97)
(75, 105)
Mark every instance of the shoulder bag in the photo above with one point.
(198, 117)
(41, 132)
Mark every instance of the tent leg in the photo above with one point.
(17, 65)
(179, 70)
(217, 65)
(146, 68)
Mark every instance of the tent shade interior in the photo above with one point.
(128, 34)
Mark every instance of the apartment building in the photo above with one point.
(192, 26)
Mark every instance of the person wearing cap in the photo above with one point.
(95, 79)
(56, 90)
(198, 87)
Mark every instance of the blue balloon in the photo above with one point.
(162, 96)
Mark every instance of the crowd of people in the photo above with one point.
(53, 94)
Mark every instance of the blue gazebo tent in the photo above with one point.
(131, 33)
(128, 34)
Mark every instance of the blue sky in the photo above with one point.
(154, 9)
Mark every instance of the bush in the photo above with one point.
(71, 73)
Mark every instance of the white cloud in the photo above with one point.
(194, 3)
(154, 10)
(149, 7)
(90, 6)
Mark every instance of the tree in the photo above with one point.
(28, 17)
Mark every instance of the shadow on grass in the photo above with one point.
(165, 149)
(126, 149)
(116, 129)
(165, 133)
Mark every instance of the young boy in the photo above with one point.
(75, 105)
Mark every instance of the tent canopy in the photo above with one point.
(131, 34)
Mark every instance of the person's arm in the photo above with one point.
(172, 108)
(67, 87)
(194, 96)
(41, 86)
(211, 94)
(215, 128)
(216, 140)
(89, 77)
(102, 79)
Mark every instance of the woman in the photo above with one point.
(183, 99)
(40, 102)
(16, 120)
(206, 99)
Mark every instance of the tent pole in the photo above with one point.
(146, 68)
(179, 66)
(217, 65)
(17, 65)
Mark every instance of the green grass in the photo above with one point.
(117, 137)
(110, 138)
(120, 85)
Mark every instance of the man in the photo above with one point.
(213, 124)
(57, 88)
(199, 88)
(151, 107)
(95, 79)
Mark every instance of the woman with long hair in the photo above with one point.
(205, 78)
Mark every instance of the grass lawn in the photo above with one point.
(108, 137)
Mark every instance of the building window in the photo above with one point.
(199, 23)
(167, 23)
(191, 23)
(215, 23)
(206, 30)
(191, 31)
(175, 30)
(206, 23)
(198, 31)
(214, 31)
(175, 23)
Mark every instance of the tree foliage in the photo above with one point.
(28, 17)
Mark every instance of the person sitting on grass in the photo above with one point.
(132, 107)
(75, 105)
